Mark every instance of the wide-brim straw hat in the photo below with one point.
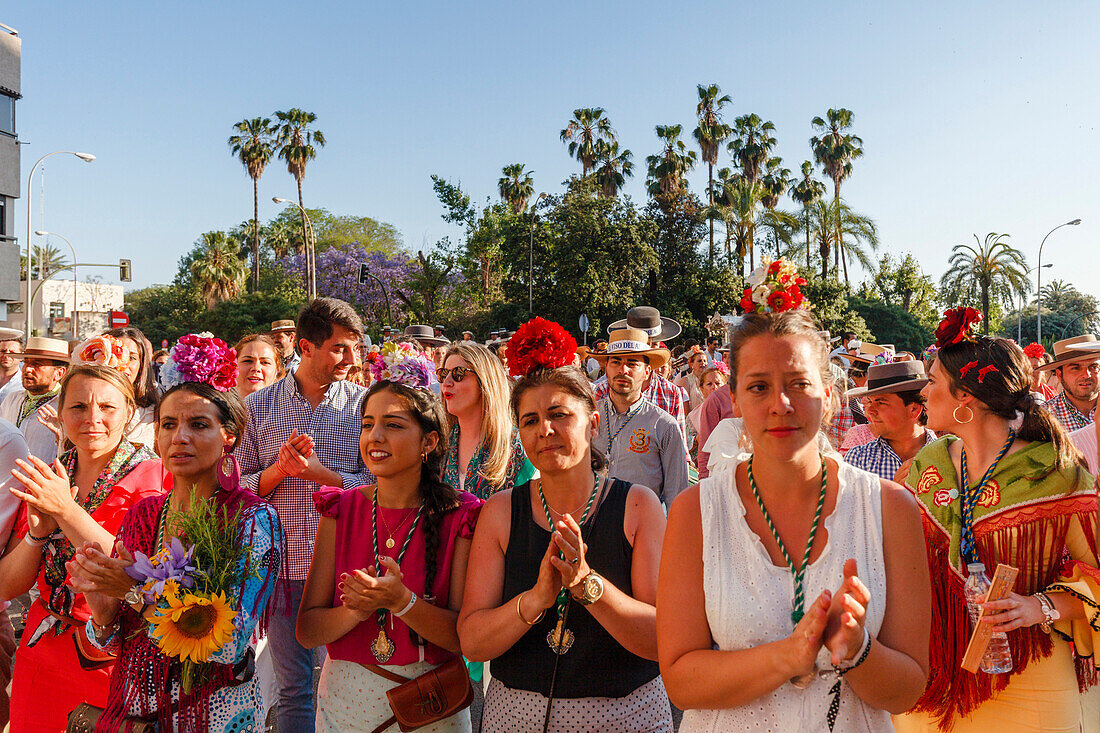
(39, 347)
(1079, 348)
(11, 334)
(868, 352)
(287, 325)
(648, 319)
(899, 376)
(632, 342)
(425, 335)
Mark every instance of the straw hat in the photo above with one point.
(1079, 348)
(287, 325)
(632, 342)
(39, 347)
(867, 352)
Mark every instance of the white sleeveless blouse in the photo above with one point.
(749, 600)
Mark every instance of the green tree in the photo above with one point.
(735, 202)
(582, 134)
(254, 143)
(834, 149)
(247, 313)
(807, 192)
(516, 186)
(830, 304)
(775, 181)
(217, 268)
(669, 168)
(298, 144)
(339, 231)
(164, 312)
(989, 271)
(45, 255)
(710, 133)
(751, 147)
(427, 282)
(891, 324)
(833, 221)
(902, 284)
(613, 167)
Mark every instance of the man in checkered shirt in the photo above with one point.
(303, 433)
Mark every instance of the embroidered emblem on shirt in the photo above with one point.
(991, 495)
(639, 441)
(929, 477)
(943, 497)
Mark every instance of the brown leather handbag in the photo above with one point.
(437, 694)
(84, 717)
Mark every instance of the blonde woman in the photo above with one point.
(258, 364)
(485, 454)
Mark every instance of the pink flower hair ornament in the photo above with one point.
(103, 350)
(401, 364)
(199, 357)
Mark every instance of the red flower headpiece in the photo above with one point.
(1035, 351)
(773, 287)
(955, 326)
(539, 344)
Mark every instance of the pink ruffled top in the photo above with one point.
(351, 508)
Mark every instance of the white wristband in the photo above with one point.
(36, 541)
(403, 611)
(851, 661)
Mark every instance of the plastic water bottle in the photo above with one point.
(998, 657)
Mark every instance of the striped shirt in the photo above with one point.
(1068, 414)
(273, 412)
(660, 392)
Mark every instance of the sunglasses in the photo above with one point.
(456, 373)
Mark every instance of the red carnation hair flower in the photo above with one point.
(539, 344)
(780, 301)
(1035, 351)
(955, 326)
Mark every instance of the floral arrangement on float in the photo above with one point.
(774, 287)
(200, 357)
(539, 344)
(401, 363)
(103, 350)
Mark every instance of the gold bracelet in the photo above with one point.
(519, 600)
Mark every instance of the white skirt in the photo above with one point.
(352, 698)
(645, 710)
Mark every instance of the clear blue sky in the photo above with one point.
(976, 117)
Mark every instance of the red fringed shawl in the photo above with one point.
(1023, 519)
(142, 672)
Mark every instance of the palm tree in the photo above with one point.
(297, 146)
(588, 126)
(736, 200)
(710, 133)
(49, 255)
(253, 144)
(775, 182)
(516, 186)
(859, 233)
(835, 150)
(808, 191)
(613, 167)
(1055, 291)
(667, 169)
(751, 148)
(988, 270)
(219, 270)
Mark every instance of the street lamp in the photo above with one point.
(42, 233)
(1039, 281)
(311, 248)
(531, 259)
(87, 158)
(1019, 333)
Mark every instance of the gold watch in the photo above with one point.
(591, 589)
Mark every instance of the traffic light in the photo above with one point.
(364, 274)
(124, 270)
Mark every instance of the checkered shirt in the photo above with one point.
(879, 457)
(273, 412)
(838, 427)
(1068, 414)
(660, 392)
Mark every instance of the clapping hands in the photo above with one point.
(834, 620)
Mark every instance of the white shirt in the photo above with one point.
(15, 384)
(40, 440)
(1085, 440)
(12, 446)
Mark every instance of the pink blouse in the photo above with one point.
(355, 551)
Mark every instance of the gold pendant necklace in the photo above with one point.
(382, 647)
(390, 543)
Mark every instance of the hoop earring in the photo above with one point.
(955, 416)
(424, 457)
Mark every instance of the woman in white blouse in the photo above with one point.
(790, 594)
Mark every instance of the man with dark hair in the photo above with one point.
(642, 442)
(1077, 364)
(894, 406)
(712, 353)
(11, 343)
(302, 434)
(282, 333)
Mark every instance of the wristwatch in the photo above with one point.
(591, 589)
(1050, 613)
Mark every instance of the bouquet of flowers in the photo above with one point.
(401, 363)
(773, 288)
(193, 588)
(199, 357)
(103, 350)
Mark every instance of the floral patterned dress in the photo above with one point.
(520, 470)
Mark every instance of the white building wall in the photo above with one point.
(96, 297)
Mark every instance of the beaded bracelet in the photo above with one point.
(860, 656)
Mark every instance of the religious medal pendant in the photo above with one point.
(560, 638)
(382, 647)
(389, 543)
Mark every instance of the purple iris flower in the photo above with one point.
(171, 563)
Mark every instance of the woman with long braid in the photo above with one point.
(394, 615)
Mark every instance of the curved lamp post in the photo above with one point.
(1039, 281)
(27, 306)
(311, 248)
(531, 258)
(42, 233)
(1019, 333)
(1075, 320)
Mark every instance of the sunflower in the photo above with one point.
(193, 626)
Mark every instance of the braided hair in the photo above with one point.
(439, 498)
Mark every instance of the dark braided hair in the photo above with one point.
(439, 497)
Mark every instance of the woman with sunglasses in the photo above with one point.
(484, 454)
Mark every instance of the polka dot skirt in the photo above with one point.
(646, 710)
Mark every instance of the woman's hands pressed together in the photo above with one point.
(847, 616)
(365, 591)
(573, 569)
(92, 571)
(805, 641)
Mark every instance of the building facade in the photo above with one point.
(56, 314)
(10, 52)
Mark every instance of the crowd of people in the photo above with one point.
(758, 531)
